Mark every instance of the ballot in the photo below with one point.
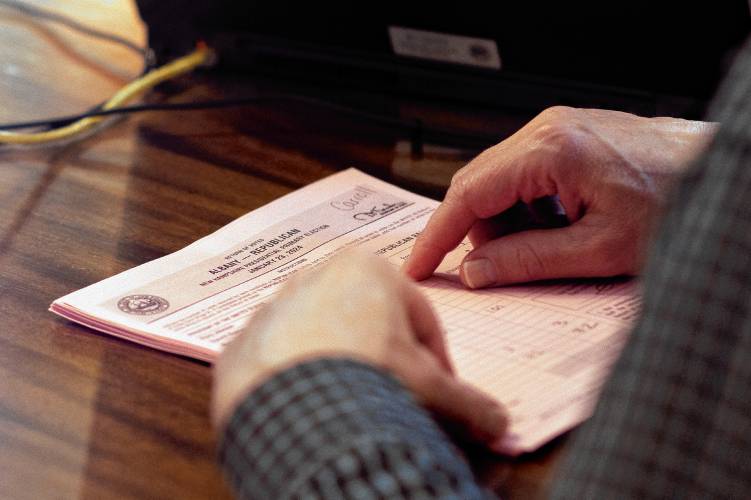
(543, 350)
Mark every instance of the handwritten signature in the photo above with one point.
(383, 210)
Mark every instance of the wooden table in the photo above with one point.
(86, 415)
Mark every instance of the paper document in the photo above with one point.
(542, 350)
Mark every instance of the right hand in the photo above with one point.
(610, 171)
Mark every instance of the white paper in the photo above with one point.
(542, 350)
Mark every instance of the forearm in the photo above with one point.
(335, 427)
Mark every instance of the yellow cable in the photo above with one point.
(148, 81)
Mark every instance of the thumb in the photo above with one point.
(536, 255)
(468, 411)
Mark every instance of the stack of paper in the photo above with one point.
(543, 351)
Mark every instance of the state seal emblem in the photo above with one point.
(142, 304)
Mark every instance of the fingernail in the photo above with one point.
(478, 273)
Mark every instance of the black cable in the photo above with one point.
(47, 15)
(415, 127)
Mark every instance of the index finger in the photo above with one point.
(516, 169)
(446, 228)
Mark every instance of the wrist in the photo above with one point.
(234, 387)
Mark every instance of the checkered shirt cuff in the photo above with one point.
(337, 428)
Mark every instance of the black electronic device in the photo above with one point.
(643, 56)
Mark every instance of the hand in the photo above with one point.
(357, 307)
(608, 171)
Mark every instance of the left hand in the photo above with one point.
(356, 307)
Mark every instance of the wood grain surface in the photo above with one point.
(85, 415)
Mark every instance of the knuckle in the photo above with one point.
(560, 128)
(469, 185)
(562, 145)
(460, 184)
(459, 177)
(556, 112)
(562, 137)
(462, 177)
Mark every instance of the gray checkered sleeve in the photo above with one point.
(674, 420)
(337, 428)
